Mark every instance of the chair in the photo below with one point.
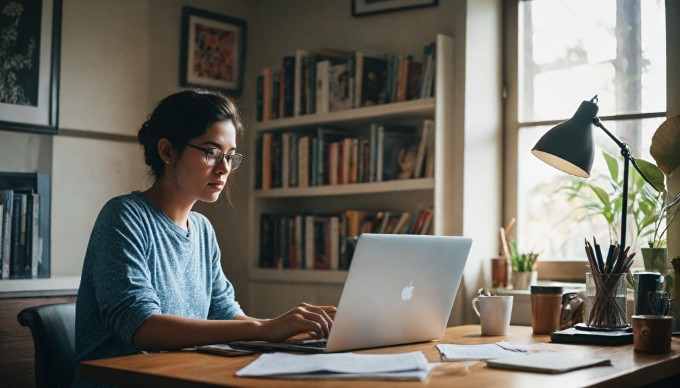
(53, 327)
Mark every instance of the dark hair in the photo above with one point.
(181, 117)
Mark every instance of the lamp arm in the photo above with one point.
(625, 150)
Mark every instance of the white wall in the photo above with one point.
(119, 58)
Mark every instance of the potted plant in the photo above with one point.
(647, 209)
(523, 266)
(665, 150)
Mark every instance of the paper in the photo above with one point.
(547, 363)
(411, 366)
(451, 352)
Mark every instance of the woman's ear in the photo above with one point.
(166, 150)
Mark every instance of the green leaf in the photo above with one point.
(612, 165)
(653, 174)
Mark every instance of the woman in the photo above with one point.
(152, 278)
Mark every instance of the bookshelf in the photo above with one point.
(396, 195)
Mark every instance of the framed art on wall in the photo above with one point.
(212, 50)
(370, 7)
(29, 65)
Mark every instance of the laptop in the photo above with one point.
(399, 289)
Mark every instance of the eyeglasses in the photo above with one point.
(214, 156)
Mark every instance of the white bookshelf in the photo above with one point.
(316, 286)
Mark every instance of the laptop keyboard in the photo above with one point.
(313, 344)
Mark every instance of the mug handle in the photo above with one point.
(475, 303)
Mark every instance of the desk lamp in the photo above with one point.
(569, 148)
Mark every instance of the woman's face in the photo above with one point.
(193, 176)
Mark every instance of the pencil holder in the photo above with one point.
(605, 301)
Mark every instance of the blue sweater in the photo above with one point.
(139, 263)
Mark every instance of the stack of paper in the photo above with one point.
(502, 349)
(404, 366)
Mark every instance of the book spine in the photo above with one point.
(16, 254)
(266, 161)
(267, 98)
(285, 161)
(334, 237)
(309, 242)
(259, 97)
(303, 165)
(7, 235)
(288, 86)
(36, 245)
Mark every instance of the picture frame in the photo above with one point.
(29, 86)
(372, 7)
(212, 50)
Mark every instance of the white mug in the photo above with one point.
(494, 313)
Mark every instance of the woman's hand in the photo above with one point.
(305, 318)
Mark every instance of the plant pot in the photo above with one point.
(655, 259)
(524, 280)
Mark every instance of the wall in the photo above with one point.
(475, 27)
(119, 58)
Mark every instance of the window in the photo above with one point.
(568, 51)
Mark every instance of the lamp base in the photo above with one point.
(583, 327)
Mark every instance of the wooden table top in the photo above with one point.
(188, 368)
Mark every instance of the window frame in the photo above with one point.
(563, 269)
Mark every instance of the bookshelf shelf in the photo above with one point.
(394, 111)
(350, 189)
(13, 287)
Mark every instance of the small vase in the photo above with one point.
(524, 279)
(655, 259)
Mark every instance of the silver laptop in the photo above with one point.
(400, 289)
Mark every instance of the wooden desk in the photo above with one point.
(196, 369)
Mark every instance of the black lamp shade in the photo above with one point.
(569, 145)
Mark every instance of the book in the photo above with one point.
(8, 211)
(267, 93)
(309, 242)
(338, 94)
(266, 161)
(546, 362)
(426, 131)
(371, 75)
(284, 160)
(26, 252)
(396, 153)
(288, 85)
(259, 98)
(303, 161)
(322, 98)
(16, 253)
(299, 100)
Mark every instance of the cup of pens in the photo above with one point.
(605, 304)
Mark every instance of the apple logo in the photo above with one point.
(407, 292)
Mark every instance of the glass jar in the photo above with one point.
(605, 301)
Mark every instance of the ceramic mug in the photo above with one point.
(494, 313)
(652, 333)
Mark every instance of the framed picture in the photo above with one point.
(213, 50)
(29, 75)
(370, 7)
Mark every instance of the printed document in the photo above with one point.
(451, 352)
(407, 366)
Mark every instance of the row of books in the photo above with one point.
(20, 240)
(332, 80)
(327, 241)
(327, 156)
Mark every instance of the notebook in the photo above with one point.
(399, 289)
(547, 363)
